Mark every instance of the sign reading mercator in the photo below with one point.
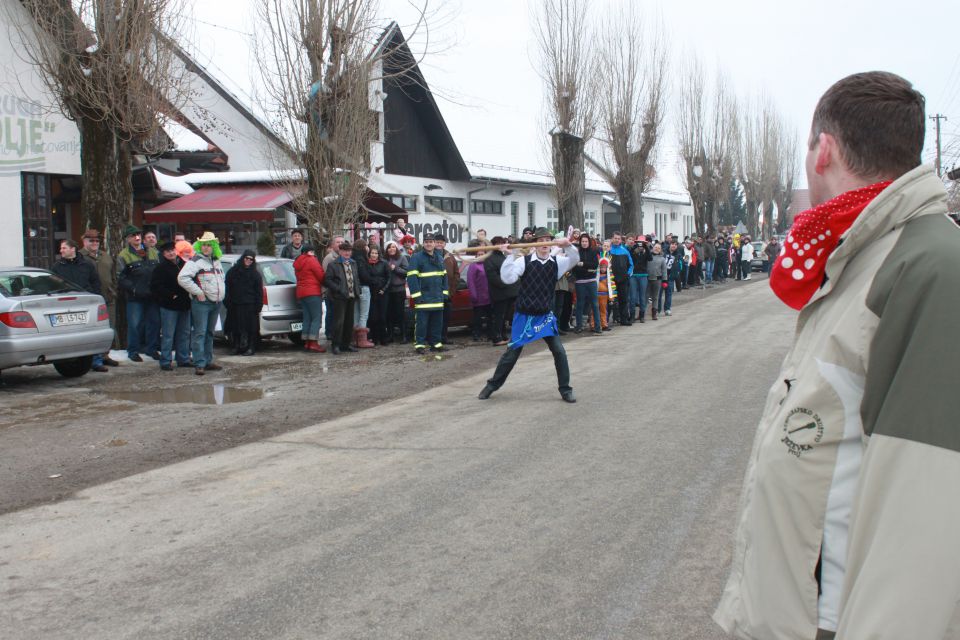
(26, 137)
(455, 233)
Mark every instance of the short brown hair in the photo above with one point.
(878, 120)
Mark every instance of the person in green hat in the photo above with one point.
(135, 265)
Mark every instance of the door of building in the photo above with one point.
(38, 232)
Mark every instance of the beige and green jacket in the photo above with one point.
(860, 435)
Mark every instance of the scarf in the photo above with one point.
(373, 260)
(800, 268)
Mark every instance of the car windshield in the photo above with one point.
(277, 272)
(32, 283)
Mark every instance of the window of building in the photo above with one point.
(514, 218)
(491, 207)
(590, 222)
(405, 202)
(660, 225)
(532, 214)
(553, 220)
(447, 205)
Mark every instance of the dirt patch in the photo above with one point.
(62, 435)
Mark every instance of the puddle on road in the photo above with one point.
(200, 394)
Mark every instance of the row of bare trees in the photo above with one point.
(607, 90)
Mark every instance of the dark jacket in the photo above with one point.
(453, 272)
(621, 263)
(290, 251)
(133, 273)
(164, 286)
(244, 284)
(336, 279)
(427, 279)
(310, 275)
(641, 256)
(80, 271)
(498, 290)
(363, 267)
(398, 276)
(379, 277)
(589, 263)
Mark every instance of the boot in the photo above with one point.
(360, 338)
(653, 314)
(315, 347)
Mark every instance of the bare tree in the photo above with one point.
(632, 104)
(758, 169)
(108, 65)
(568, 69)
(789, 166)
(316, 68)
(707, 130)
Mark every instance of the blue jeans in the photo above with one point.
(665, 292)
(312, 315)
(151, 328)
(136, 313)
(638, 294)
(361, 310)
(174, 336)
(204, 316)
(587, 295)
(708, 271)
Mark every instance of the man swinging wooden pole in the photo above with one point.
(533, 319)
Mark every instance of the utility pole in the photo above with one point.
(938, 118)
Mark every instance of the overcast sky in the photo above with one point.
(481, 63)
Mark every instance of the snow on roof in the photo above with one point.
(241, 177)
(184, 139)
(499, 173)
(172, 184)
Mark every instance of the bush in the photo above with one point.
(266, 245)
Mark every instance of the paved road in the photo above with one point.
(441, 517)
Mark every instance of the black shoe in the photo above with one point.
(350, 348)
(335, 350)
(578, 330)
(568, 397)
(155, 355)
(199, 371)
(136, 358)
(485, 392)
(166, 367)
(110, 362)
(606, 329)
(239, 351)
(420, 350)
(641, 320)
(562, 332)
(438, 349)
(213, 367)
(249, 352)
(99, 369)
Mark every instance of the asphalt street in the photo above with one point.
(438, 515)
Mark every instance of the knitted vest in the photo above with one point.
(537, 287)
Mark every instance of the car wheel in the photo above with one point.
(296, 339)
(73, 368)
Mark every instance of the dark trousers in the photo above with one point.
(500, 308)
(427, 328)
(395, 314)
(244, 320)
(482, 322)
(623, 300)
(342, 332)
(510, 357)
(563, 308)
(447, 308)
(377, 321)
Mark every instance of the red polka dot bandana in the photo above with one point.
(798, 271)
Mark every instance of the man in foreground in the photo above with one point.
(533, 319)
(849, 512)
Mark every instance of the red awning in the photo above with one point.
(222, 203)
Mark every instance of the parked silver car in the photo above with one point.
(281, 314)
(46, 320)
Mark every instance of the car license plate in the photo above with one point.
(296, 326)
(63, 319)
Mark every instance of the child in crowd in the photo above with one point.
(607, 292)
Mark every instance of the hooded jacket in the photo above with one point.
(244, 284)
(856, 459)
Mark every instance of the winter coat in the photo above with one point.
(244, 284)
(310, 275)
(398, 275)
(478, 285)
(656, 267)
(336, 279)
(453, 272)
(165, 289)
(133, 272)
(203, 275)
(861, 421)
(106, 273)
(291, 252)
(363, 267)
(709, 250)
(427, 279)
(641, 256)
(589, 263)
(379, 277)
(499, 290)
(80, 271)
(621, 262)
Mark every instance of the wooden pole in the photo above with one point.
(523, 245)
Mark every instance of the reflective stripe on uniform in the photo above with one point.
(412, 273)
(429, 305)
(427, 274)
(415, 295)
